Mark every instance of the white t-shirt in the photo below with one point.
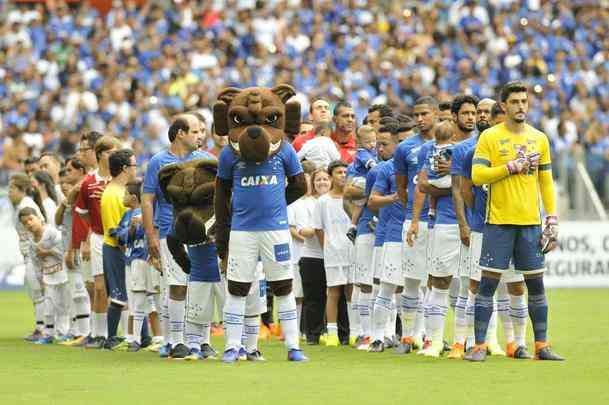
(320, 150)
(51, 266)
(330, 216)
(303, 218)
(24, 235)
(297, 245)
(50, 207)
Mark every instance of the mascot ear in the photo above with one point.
(221, 109)
(165, 176)
(292, 117)
(284, 91)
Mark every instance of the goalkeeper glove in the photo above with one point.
(549, 236)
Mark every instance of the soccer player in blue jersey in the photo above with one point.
(413, 256)
(513, 160)
(157, 213)
(258, 223)
(384, 197)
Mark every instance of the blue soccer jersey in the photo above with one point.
(163, 211)
(445, 210)
(134, 243)
(366, 215)
(379, 233)
(406, 164)
(478, 213)
(258, 201)
(204, 263)
(457, 164)
(363, 161)
(385, 184)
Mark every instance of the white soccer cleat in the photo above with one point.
(494, 349)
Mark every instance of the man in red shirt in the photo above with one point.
(88, 206)
(344, 133)
(319, 112)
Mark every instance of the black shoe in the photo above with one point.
(97, 342)
(446, 348)
(179, 351)
(208, 352)
(521, 352)
(312, 341)
(376, 347)
(546, 353)
(352, 234)
(146, 341)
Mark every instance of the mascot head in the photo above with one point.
(256, 119)
(189, 187)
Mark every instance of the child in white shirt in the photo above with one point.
(320, 150)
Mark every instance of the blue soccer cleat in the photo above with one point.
(194, 354)
(242, 353)
(45, 340)
(165, 350)
(297, 355)
(230, 356)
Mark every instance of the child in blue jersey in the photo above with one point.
(143, 279)
(364, 160)
(442, 151)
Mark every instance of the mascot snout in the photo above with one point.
(254, 132)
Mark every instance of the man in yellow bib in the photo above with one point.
(513, 159)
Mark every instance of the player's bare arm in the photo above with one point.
(402, 188)
(426, 188)
(459, 204)
(417, 206)
(466, 190)
(378, 200)
(151, 233)
(222, 211)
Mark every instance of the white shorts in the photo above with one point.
(392, 269)
(465, 260)
(415, 257)
(364, 252)
(377, 261)
(97, 257)
(76, 284)
(339, 275)
(272, 247)
(445, 250)
(141, 276)
(297, 281)
(475, 244)
(172, 272)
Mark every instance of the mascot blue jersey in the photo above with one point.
(258, 201)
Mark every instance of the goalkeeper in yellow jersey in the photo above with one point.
(513, 159)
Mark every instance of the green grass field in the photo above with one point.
(579, 325)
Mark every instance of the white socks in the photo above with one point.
(438, 307)
(176, 321)
(519, 315)
(382, 310)
(332, 329)
(419, 323)
(125, 321)
(460, 319)
(206, 333)
(139, 314)
(470, 307)
(364, 312)
(100, 325)
(286, 313)
(234, 308)
(409, 303)
(354, 321)
(299, 317)
(193, 334)
(503, 312)
(251, 330)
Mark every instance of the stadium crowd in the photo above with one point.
(65, 69)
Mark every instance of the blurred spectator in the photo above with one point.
(66, 69)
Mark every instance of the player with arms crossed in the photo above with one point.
(513, 158)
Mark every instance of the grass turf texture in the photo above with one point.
(579, 323)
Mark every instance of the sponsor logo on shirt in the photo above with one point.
(252, 181)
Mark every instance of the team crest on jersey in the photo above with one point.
(250, 181)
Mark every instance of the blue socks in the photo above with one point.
(538, 307)
(114, 317)
(484, 307)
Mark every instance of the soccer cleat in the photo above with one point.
(76, 341)
(96, 343)
(45, 340)
(296, 355)
(405, 345)
(194, 354)
(264, 333)
(543, 351)
(115, 344)
(312, 341)
(208, 352)
(146, 341)
(390, 342)
(179, 351)
(323, 339)
(230, 356)
(36, 335)
(445, 346)
(275, 330)
(133, 347)
(476, 353)
(332, 341)
(521, 353)
(352, 234)
(63, 339)
(364, 344)
(353, 340)
(217, 330)
(426, 345)
(165, 350)
(494, 349)
(433, 351)
(417, 343)
(242, 353)
(154, 347)
(376, 347)
(254, 356)
(457, 352)
(358, 340)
